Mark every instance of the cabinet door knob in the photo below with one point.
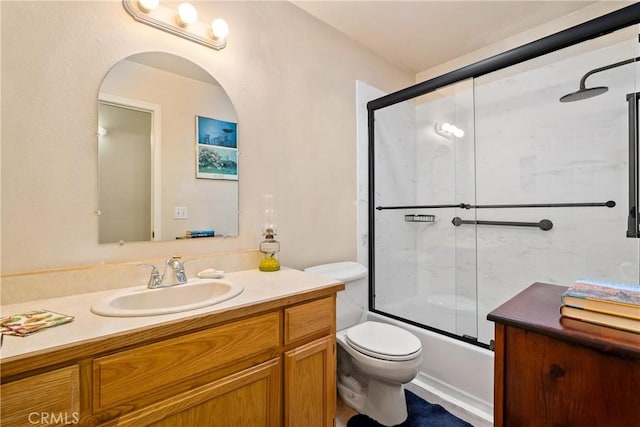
(556, 371)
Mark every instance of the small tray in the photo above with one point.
(419, 218)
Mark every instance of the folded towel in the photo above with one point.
(24, 324)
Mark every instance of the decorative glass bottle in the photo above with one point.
(269, 248)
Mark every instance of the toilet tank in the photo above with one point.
(352, 302)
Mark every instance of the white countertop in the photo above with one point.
(258, 287)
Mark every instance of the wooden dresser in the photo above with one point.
(560, 372)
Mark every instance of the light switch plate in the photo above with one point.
(180, 212)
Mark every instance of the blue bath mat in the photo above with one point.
(421, 414)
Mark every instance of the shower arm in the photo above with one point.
(606, 67)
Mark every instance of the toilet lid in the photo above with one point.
(383, 341)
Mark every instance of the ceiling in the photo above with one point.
(417, 35)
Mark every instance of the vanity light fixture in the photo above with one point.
(449, 131)
(219, 29)
(187, 14)
(148, 5)
(184, 22)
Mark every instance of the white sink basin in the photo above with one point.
(142, 301)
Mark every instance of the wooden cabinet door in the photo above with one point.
(248, 398)
(549, 382)
(309, 386)
(51, 398)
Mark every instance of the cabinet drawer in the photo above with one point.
(247, 398)
(124, 376)
(305, 320)
(52, 398)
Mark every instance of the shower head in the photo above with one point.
(589, 92)
(584, 93)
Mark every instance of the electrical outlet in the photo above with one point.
(180, 212)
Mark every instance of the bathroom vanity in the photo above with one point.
(555, 371)
(263, 358)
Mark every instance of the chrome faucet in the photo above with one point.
(155, 281)
(177, 274)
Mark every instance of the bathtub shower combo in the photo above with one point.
(517, 169)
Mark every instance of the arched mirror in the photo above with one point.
(167, 152)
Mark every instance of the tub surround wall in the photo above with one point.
(395, 255)
(364, 93)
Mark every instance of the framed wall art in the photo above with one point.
(216, 149)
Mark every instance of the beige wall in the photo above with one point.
(291, 79)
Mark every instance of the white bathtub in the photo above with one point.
(457, 372)
(447, 312)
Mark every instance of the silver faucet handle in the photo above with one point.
(176, 263)
(155, 279)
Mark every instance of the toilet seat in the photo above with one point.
(383, 341)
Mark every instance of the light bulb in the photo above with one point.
(148, 5)
(448, 130)
(219, 29)
(187, 14)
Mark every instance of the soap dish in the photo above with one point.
(211, 273)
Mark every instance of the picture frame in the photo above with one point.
(216, 149)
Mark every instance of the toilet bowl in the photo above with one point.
(375, 359)
(380, 359)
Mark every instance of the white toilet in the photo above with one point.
(375, 359)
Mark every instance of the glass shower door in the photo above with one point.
(573, 156)
(485, 186)
(424, 266)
